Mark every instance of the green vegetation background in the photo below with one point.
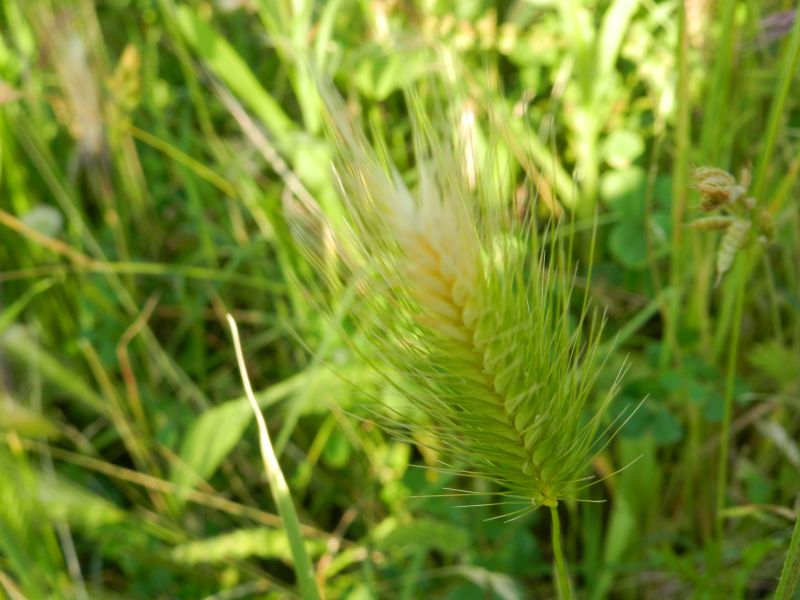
(148, 152)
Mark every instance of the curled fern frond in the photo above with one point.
(468, 315)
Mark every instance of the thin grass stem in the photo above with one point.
(680, 177)
(730, 378)
(783, 87)
(561, 574)
(277, 483)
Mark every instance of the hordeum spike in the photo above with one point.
(469, 315)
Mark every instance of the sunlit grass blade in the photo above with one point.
(277, 483)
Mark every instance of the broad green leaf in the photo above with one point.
(637, 489)
(623, 190)
(666, 428)
(209, 440)
(622, 147)
(628, 244)
(621, 529)
(423, 533)
(240, 544)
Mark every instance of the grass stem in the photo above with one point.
(277, 483)
(730, 380)
(562, 576)
(680, 178)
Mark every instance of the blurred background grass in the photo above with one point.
(147, 151)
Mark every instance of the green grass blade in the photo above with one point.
(277, 484)
(790, 575)
(226, 64)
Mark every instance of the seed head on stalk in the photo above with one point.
(721, 192)
(468, 314)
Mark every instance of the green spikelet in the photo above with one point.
(715, 186)
(732, 241)
(720, 191)
(713, 223)
(466, 318)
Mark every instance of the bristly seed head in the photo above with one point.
(466, 317)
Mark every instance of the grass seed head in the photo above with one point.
(720, 191)
(712, 223)
(732, 241)
(466, 316)
(717, 187)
